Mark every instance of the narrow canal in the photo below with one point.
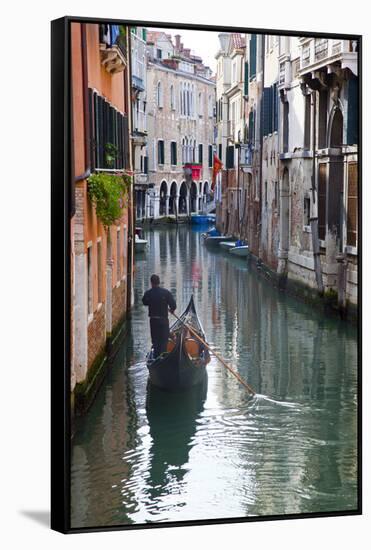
(139, 458)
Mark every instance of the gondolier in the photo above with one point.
(159, 301)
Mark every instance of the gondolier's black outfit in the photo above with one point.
(159, 300)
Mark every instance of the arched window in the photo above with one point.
(181, 97)
(200, 104)
(159, 95)
(183, 151)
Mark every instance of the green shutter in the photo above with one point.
(352, 129)
(252, 56)
(251, 126)
(246, 87)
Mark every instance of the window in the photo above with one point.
(172, 98)
(322, 119)
(306, 211)
(234, 72)
(352, 128)
(211, 110)
(173, 153)
(159, 53)
(99, 271)
(159, 96)
(230, 156)
(210, 156)
(352, 212)
(322, 192)
(276, 197)
(220, 151)
(90, 280)
(160, 152)
(246, 80)
(200, 153)
(109, 145)
(285, 128)
(200, 104)
(252, 60)
(118, 259)
(266, 193)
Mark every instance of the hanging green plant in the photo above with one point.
(109, 194)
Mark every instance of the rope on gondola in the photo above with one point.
(224, 363)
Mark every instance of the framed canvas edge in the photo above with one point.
(61, 167)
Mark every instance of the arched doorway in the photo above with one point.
(183, 198)
(193, 196)
(163, 198)
(206, 195)
(335, 210)
(172, 199)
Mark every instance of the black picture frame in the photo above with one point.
(61, 207)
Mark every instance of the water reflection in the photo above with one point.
(143, 457)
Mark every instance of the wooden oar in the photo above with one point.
(241, 380)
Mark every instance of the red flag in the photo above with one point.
(217, 166)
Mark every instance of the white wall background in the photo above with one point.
(24, 203)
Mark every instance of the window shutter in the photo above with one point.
(246, 86)
(252, 56)
(230, 157)
(267, 111)
(322, 171)
(210, 156)
(352, 210)
(200, 153)
(352, 130)
(251, 126)
(145, 167)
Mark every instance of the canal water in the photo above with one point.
(140, 456)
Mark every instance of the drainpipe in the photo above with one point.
(84, 62)
(261, 138)
(314, 220)
(131, 213)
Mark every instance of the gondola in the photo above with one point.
(183, 366)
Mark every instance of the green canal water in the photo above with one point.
(140, 456)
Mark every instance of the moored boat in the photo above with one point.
(213, 241)
(227, 244)
(242, 250)
(184, 364)
(200, 219)
(140, 245)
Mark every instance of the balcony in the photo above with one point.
(137, 83)
(139, 128)
(112, 49)
(246, 156)
(317, 53)
(192, 171)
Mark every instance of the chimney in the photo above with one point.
(223, 38)
(181, 47)
(187, 52)
(177, 42)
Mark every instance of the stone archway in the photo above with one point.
(193, 196)
(172, 198)
(336, 177)
(163, 198)
(183, 194)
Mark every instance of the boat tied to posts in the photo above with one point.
(183, 365)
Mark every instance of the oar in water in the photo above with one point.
(241, 380)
